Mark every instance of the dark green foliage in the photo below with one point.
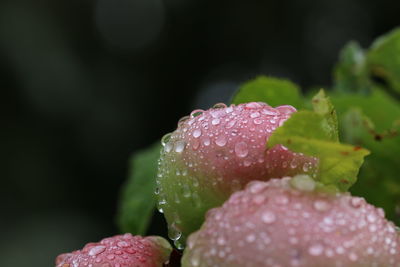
(138, 201)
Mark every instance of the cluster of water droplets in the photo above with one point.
(221, 149)
(274, 224)
(125, 250)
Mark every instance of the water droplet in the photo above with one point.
(197, 133)
(269, 112)
(268, 217)
(256, 186)
(372, 228)
(165, 139)
(229, 109)
(253, 105)
(215, 121)
(176, 198)
(217, 113)
(221, 241)
(168, 147)
(195, 182)
(282, 199)
(316, 250)
(329, 253)
(286, 109)
(241, 149)
(182, 120)
(250, 238)
(221, 140)
(303, 182)
(255, 115)
(219, 105)
(123, 244)
(353, 256)
(321, 205)
(293, 240)
(110, 256)
(258, 121)
(305, 167)
(178, 245)
(258, 199)
(339, 250)
(371, 218)
(293, 164)
(195, 259)
(160, 205)
(173, 232)
(206, 141)
(247, 163)
(196, 113)
(196, 200)
(179, 146)
(195, 144)
(96, 250)
(186, 191)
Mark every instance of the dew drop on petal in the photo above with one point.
(255, 115)
(173, 232)
(247, 163)
(219, 105)
(197, 133)
(269, 112)
(250, 238)
(165, 139)
(303, 182)
(282, 199)
(321, 205)
(353, 256)
(195, 144)
(229, 109)
(268, 217)
(221, 140)
(241, 149)
(196, 113)
(253, 105)
(371, 218)
(206, 141)
(168, 147)
(123, 244)
(179, 146)
(258, 121)
(182, 120)
(96, 250)
(230, 124)
(316, 250)
(215, 121)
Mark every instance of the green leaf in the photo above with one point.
(379, 106)
(322, 105)
(137, 199)
(383, 60)
(350, 73)
(380, 172)
(273, 91)
(305, 132)
(314, 133)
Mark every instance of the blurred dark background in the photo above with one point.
(86, 83)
